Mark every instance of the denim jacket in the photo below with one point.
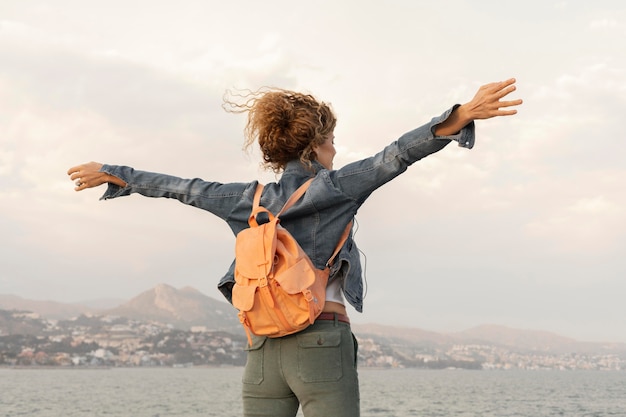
(319, 218)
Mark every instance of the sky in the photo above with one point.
(526, 230)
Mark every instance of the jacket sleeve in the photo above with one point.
(359, 179)
(215, 197)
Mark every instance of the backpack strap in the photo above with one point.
(295, 196)
(256, 208)
(343, 239)
(257, 195)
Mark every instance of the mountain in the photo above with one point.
(182, 308)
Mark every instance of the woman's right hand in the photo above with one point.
(89, 175)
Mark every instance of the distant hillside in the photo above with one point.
(49, 309)
(514, 339)
(182, 308)
(404, 334)
(187, 307)
(521, 339)
(531, 340)
(18, 322)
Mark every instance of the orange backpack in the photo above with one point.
(278, 291)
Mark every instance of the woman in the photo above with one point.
(315, 368)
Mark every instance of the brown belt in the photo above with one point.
(331, 316)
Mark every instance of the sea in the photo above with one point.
(199, 391)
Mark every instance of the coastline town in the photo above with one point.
(28, 340)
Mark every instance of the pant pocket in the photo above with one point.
(356, 350)
(253, 372)
(319, 356)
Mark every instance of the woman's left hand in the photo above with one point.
(486, 104)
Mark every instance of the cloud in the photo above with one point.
(534, 211)
(588, 224)
(600, 24)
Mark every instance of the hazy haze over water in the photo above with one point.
(392, 393)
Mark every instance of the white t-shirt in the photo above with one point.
(334, 291)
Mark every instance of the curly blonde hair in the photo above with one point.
(286, 124)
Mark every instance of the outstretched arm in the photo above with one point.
(88, 176)
(485, 105)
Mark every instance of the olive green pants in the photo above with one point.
(315, 368)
